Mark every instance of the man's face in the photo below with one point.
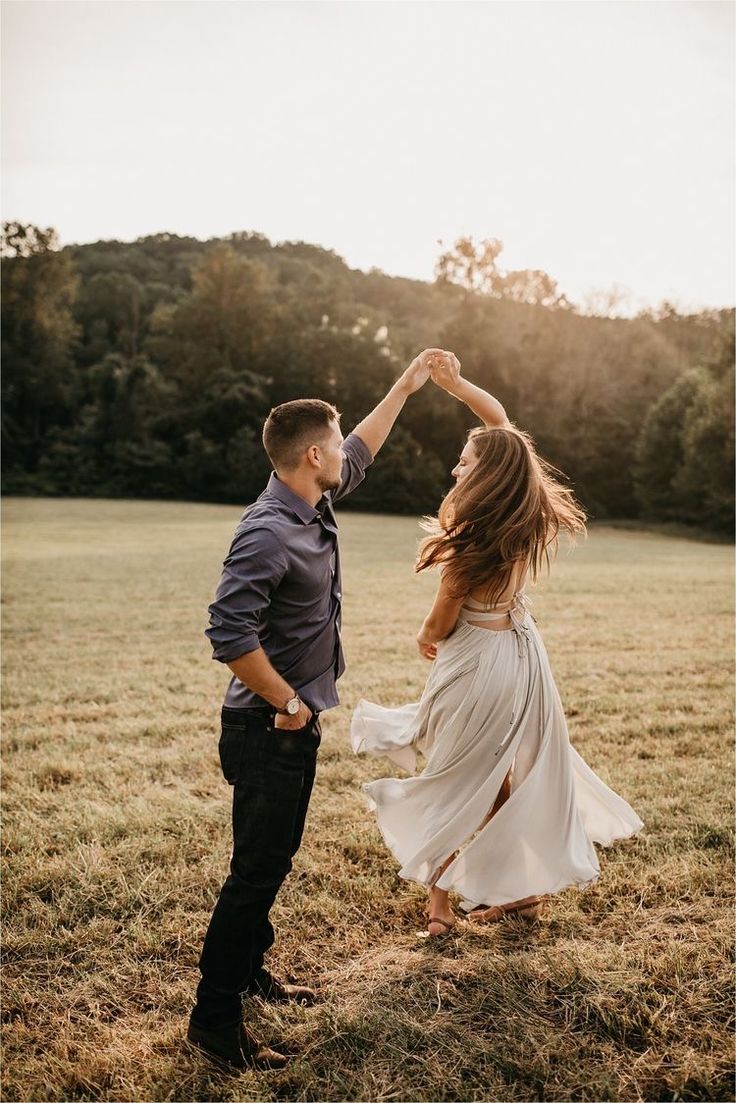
(332, 457)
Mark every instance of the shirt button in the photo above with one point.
(339, 594)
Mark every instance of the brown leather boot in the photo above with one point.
(275, 991)
(235, 1047)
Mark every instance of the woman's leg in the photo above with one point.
(439, 901)
(529, 906)
(439, 904)
(503, 795)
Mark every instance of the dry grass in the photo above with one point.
(116, 833)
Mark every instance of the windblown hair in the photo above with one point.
(293, 426)
(508, 510)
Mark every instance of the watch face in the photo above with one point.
(292, 706)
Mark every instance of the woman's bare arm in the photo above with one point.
(445, 373)
(439, 622)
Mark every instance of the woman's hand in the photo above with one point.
(445, 371)
(427, 646)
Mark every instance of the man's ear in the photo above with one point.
(314, 457)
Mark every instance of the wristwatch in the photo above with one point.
(291, 708)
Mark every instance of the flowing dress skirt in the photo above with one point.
(489, 702)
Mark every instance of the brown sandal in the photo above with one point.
(443, 923)
(528, 909)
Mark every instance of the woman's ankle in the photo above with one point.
(439, 903)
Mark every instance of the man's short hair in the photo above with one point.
(293, 426)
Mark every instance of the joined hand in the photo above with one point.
(445, 370)
(417, 374)
(442, 366)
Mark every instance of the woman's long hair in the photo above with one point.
(508, 510)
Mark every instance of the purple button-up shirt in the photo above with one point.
(281, 589)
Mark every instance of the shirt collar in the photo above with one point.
(285, 494)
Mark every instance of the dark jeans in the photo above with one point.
(272, 773)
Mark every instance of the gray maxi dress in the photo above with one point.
(490, 703)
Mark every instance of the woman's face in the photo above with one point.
(466, 463)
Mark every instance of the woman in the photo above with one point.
(505, 809)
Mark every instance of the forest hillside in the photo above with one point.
(145, 369)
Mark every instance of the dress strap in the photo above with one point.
(480, 611)
(474, 603)
(483, 614)
(475, 612)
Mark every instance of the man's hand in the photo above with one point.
(445, 371)
(417, 374)
(291, 723)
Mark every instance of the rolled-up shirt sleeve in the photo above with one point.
(255, 565)
(357, 458)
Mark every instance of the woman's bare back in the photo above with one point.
(496, 616)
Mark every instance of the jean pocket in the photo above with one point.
(231, 748)
(292, 731)
(298, 741)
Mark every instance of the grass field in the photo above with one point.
(116, 832)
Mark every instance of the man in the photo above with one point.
(275, 622)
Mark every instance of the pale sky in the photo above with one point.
(595, 139)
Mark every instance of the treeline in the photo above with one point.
(146, 369)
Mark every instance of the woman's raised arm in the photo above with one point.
(445, 372)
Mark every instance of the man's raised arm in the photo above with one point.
(374, 428)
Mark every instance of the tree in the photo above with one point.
(704, 484)
(21, 239)
(685, 453)
(405, 478)
(38, 339)
(184, 345)
(114, 447)
(345, 369)
(223, 325)
(475, 268)
(470, 266)
(109, 309)
(532, 286)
